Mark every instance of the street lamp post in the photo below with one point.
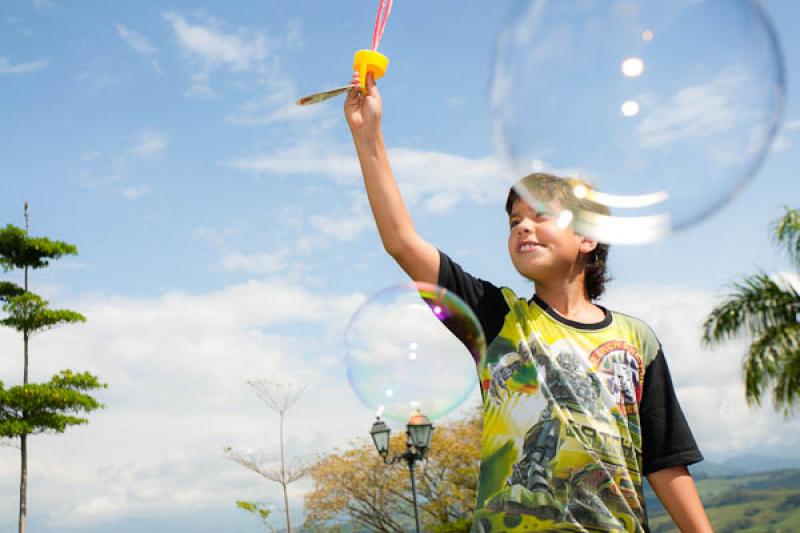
(419, 431)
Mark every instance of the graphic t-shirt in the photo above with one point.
(575, 415)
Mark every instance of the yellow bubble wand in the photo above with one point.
(364, 62)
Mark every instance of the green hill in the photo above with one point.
(763, 502)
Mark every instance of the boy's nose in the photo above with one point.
(524, 226)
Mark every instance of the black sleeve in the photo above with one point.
(485, 299)
(666, 438)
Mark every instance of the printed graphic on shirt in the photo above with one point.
(561, 445)
(623, 372)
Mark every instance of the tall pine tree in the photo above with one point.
(52, 406)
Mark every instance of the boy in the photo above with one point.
(578, 401)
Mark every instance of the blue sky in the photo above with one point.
(220, 228)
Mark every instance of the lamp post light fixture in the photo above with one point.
(419, 431)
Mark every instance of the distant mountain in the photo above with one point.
(751, 463)
(741, 465)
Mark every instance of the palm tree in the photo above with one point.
(767, 308)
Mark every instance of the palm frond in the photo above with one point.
(774, 358)
(786, 231)
(755, 305)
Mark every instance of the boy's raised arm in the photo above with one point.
(417, 257)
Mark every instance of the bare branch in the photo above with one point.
(249, 461)
(279, 397)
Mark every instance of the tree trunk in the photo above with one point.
(23, 483)
(25, 350)
(25, 335)
(284, 483)
(23, 446)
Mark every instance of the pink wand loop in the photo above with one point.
(384, 9)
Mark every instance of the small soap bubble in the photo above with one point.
(670, 100)
(413, 346)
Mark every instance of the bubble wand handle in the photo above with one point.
(372, 61)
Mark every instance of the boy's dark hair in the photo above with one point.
(547, 188)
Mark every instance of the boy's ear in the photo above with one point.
(587, 245)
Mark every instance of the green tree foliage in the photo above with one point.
(18, 250)
(9, 290)
(258, 509)
(47, 407)
(28, 312)
(34, 408)
(766, 308)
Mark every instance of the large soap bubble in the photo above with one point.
(413, 346)
(665, 107)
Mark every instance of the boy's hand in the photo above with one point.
(363, 111)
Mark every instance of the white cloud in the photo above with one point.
(346, 225)
(697, 111)
(437, 181)
(276, 105)
(149, 143)
(275, 101)
(301, 159)
(6, 67)
(176, 366)
(210, 49)
(218, 238)
(136, 41)
(277, 259)
(294, 34)
(440, 181)
(783, 141)
(118, 168)
(101, 73)
(213, 47)
(258, 263)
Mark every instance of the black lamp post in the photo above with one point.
(419, 430)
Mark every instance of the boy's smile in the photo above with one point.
(527, 246)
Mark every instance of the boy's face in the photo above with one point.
(541, 250)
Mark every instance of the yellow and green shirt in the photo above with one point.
(575, 415)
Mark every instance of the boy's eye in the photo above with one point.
(513, 223)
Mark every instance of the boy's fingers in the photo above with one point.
(371, 86)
